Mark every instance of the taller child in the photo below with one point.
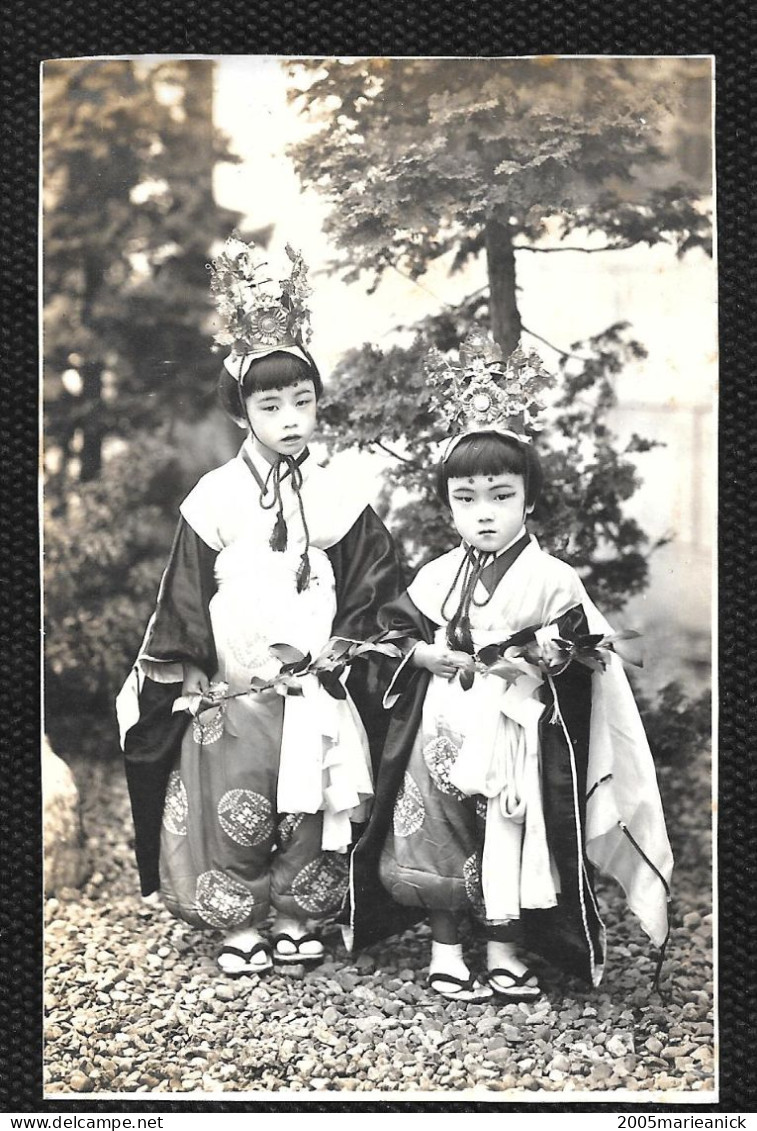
(246, 812)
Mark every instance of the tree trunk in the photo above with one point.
(91, 452)
(503, 306)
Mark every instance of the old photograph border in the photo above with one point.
(21, 955)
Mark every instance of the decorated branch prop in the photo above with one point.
(551, 657)
(328, 667)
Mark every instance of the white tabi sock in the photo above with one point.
(447, 958)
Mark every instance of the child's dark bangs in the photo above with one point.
(277, 371)
(484, 455)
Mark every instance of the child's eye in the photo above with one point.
(499, 498)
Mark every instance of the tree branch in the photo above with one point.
(552, 346)
(388, 450)
(573, 247)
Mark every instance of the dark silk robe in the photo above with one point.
(367, 575)
(571, 934)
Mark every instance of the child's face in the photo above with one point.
(283, 420)
(488, 510)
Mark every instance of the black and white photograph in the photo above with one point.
(379, 498)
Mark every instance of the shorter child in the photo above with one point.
(507, 770)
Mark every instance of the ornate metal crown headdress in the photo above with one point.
(259, 312)
(486, 391)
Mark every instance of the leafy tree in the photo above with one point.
(129, 221)
(103, 561)
(429, 158)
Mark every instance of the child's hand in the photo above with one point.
(439, 660)
(195, 681)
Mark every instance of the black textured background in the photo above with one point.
(34, 31)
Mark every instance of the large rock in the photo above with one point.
(66, 860)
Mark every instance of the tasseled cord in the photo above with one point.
(459, 633)
(279, 535)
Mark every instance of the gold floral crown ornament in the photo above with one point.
(259, 312)
(487, 392)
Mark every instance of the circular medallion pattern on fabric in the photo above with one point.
(320, 887)
(409, 810)
(439, 755)
(222, 901)
(472, 879)
(249, 648)
(288, 825)
(245, 816)
(176, 805)
(207, 726)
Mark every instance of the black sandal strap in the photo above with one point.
(517, 979)
(464, 983)
(246, 955)
(283, 936)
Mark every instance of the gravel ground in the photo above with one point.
(134, 1002)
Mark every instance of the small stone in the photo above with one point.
(501, 1057)
(559, 1063)
(667, 1083)
(654, 1046)
(616, 1046)
(368, 1024)
(81, 1083)
(225, 993)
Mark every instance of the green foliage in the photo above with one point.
(677, 726)
(129, 221)
(103, 559)
(419, 155)
(428, 157)
(381, 401)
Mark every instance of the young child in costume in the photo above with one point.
(247, 810)
(510, 768)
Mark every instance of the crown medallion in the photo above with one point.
(259, 308)
(485, 391)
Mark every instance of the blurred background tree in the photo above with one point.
(129, 219)
(129, 149)
(424, 159)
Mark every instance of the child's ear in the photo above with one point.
(529, 509)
